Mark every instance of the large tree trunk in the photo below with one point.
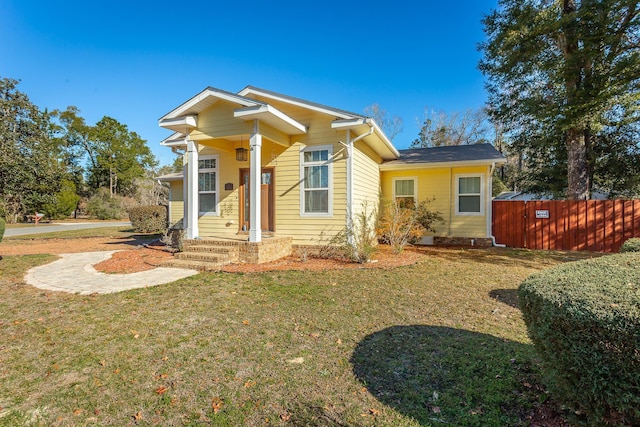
(578, 176)
(577, 170)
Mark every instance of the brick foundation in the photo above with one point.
(477, 242)
(267, 250)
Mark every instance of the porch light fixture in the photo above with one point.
(241, 153)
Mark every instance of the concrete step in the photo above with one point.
(194, 265)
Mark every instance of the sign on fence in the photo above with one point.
(544, 214)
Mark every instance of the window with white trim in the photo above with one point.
(208, 184)
(316, 177)
(405, 192)
(469, 195)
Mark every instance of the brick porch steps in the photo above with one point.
(205, 255)
(212, 254)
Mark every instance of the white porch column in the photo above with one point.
(191, 198)
(349, 183)
(255, 181)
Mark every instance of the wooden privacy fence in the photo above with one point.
(592, 225)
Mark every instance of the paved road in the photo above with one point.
(62, 226)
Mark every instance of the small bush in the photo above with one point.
(2, 226)
(401, 224)
(103, 206)
(173, 237)
(148, 219)
(631, 245)
(584, 320)
(358, 242)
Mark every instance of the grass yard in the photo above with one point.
(75, 234)
(436, 344)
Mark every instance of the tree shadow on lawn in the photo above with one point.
(437, 374)
(152, 239)
(506, 296)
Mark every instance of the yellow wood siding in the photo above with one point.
(176, 203)
(289, 221)
(217, 121)
(225, 221)
(439, 184)
(366, 180)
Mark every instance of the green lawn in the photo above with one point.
(439, 343)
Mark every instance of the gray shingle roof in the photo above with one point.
(456, 153)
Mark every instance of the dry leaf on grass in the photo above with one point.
(161, 390)
(216, 404)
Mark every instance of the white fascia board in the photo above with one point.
(345, 124)
(173, 138)
(174, 143)
(180, 123)
(354, 123)
(253, 91)
(271, 115)
(204, 96)
(436, 165)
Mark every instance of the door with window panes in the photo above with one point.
(266, 200)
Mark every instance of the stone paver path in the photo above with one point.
(74, 273)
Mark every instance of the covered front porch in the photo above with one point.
(230, 145)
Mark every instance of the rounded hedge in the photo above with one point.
(2, 225)
(148, 219)
(631, 245)
(584, 320)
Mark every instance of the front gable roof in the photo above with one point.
(338, 113)
(254, 103)
(185, 117)
(454, 155)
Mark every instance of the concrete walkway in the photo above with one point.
(74, 273)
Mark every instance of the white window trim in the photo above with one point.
(406, 178)
(216, 191)
(328, 163)
(482, 192)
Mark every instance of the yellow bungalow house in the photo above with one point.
(264, 171)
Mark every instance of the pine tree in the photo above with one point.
(563, 79)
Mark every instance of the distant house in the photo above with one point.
(260, 164)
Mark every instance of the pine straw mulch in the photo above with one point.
(152, 256)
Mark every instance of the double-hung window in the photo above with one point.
(404, 192)
(208, 184)
(469, 195)
(315, 175)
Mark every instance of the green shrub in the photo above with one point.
(584, 320)
(103, 206)
(631, 245)
(356, 242)
(148, 219)
(403, 223)
(63, 203)
(2, 226)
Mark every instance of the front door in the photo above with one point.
(266, 200)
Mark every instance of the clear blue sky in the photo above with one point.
(136, 61)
